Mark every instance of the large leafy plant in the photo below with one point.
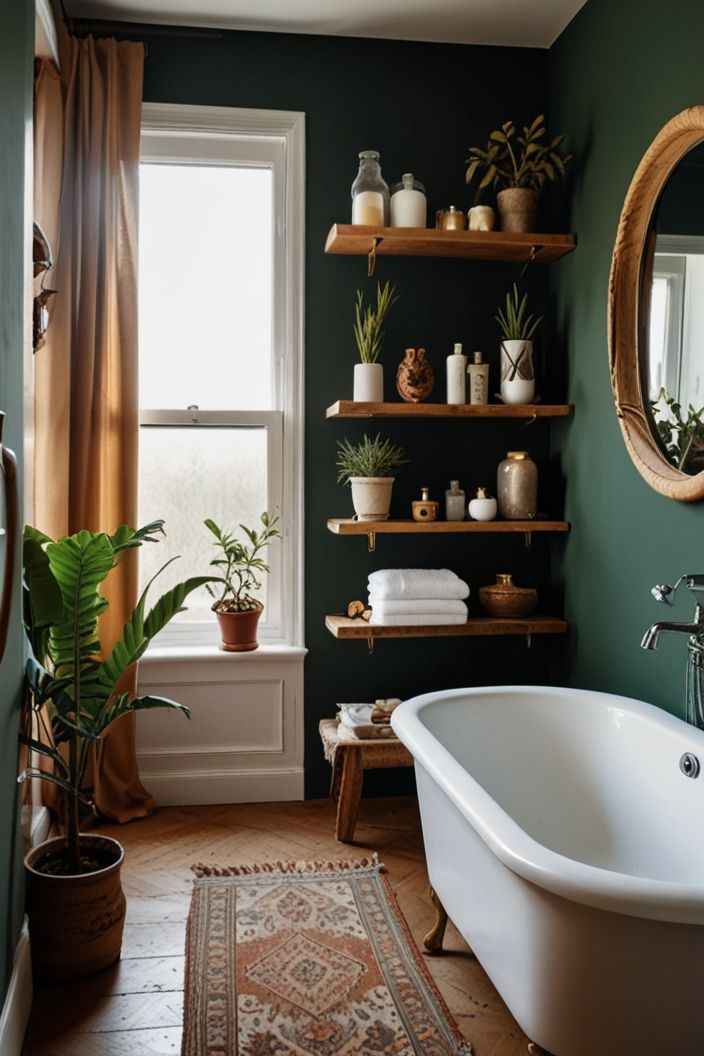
(681, 433)
(239, 565)
(74, 690)
(371, 457)
(369, 321)
(512, 160)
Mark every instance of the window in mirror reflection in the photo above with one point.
(674, 364)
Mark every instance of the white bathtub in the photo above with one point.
(568, 848)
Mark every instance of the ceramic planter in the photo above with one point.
(517, 374)
(368, 383)
(371, 497)
(505, 599)
(517, 209)
(75, 922)
(238, 630)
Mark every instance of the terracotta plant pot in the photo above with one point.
(504, 599)
(517, 208)
(75, 922)
(238, 630)
(371, 497)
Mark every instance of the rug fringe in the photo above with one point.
(202, 870)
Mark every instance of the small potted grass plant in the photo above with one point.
(239, 566)
(517, 328)
(368, 467)
(75, 902)
(369, 335)
(517, 167)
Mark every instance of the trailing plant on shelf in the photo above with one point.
(369, 335)
(682, 437)
(368, 466)
(517, 327)
(239, 567)
(74, 695)
(517, 162)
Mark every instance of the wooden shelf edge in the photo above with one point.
(349, 526)
(351, 409)
(343, 628)
(540, 246)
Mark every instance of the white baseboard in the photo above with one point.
(197, 787)
(18, 1000)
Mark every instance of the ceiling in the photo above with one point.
(525, 23)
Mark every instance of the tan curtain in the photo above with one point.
(86, 408)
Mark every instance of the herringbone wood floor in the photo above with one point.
(135, 1008)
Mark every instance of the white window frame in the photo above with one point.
(172, 133)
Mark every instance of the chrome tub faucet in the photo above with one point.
(664, 592)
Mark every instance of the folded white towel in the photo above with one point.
(409, 606)
(418, 619)
(398, 583)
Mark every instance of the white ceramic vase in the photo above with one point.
(368, 383)
(371, 497)
(517, 374)
(481, 218)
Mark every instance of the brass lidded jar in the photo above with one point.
(517, 487)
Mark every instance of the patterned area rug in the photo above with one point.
(307, 959)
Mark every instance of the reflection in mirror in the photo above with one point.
(672, 367)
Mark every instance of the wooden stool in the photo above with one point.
(350, 757)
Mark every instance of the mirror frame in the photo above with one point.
(629, 295)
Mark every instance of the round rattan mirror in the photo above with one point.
(655, 349)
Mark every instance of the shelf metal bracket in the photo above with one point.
(370, 644)
(371, 259)
(533, 418)
(529, 640)
(528, 539)
(371, 542)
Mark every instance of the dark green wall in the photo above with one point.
(16, 56)
(618, 73)
(421, 105)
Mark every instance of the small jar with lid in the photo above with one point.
(409, 206)
(454, 502)
(517, 487)
(370, 192)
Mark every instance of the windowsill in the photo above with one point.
(266, 653)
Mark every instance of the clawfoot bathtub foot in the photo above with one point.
(534, 1049)
(433, 940)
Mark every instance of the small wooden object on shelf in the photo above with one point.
(350, 757)
(357, 240)
(350, 409)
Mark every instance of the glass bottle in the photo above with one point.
(517, 487)
(454, 502)
(370, 193)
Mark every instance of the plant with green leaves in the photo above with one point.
(682, 437)
(73, 690)
(368, 458)
(512, 160)
(368, 322)
(239, 565)
(515, 323)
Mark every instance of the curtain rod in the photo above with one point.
(79, 26)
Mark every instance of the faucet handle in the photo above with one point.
(663, 592)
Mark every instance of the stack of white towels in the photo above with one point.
(417, 596)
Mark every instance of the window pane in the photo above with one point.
(205, 287)
(186, 475)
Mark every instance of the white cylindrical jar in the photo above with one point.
(409, 206)
(457, 376)
(517, 487)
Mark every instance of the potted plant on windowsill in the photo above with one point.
(369, 335)
(239, 567)
(517, 369)
(75, 902)
(369, 467)
(517, 168)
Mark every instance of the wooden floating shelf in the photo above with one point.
(350, 409)
(357, 240)
(479, 626)
(349, 526)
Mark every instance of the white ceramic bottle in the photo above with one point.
(478, 380)
(457, 376)
(409, 206)
(454, 502)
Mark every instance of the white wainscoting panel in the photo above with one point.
(244, 740)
